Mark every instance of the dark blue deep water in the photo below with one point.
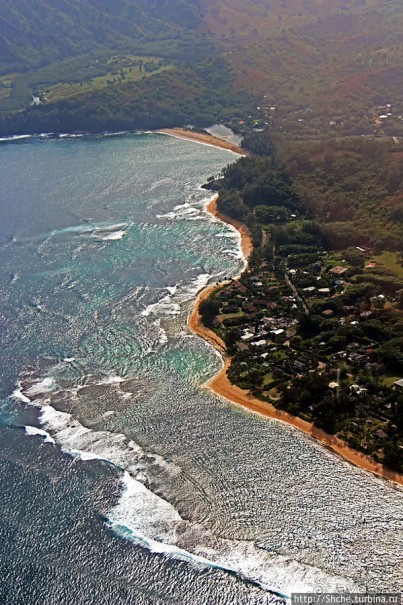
(122, 480)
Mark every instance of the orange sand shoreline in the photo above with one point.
(222, 387)
(200, 137)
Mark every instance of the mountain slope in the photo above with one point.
(324, 64)
(36, 34)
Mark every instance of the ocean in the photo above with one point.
(122, 479)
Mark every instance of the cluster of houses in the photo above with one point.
(263, 309)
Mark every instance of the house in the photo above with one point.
(357, 359)
(355, 388)
(240, 287)
(299, 367)
(278, 334)
(224, 294)
(338, 270)
(247, 335)
(250, 308)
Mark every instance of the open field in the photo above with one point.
(142, 67)
(76, 77)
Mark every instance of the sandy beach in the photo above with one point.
(200, 137)
(221, 385)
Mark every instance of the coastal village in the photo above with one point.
(306, 338)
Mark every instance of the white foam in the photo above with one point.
(180, 206)
(199, 217)
(41, 387)
(16, 137)
(19, 396)
(199, 283)
(108, 414)
(114, 227)
(154, 523)
(115, 134)
(163, 339)
(165, 306)
(87, 444)
(33, 431)
(183, 211)
(98, 230)
(110, 233)
(115, 235)
(234, 253)
(144, 512)
(86, 456)
(162, 335)
(170, 304)
(170, 215)
(68, 135)
(228, 234)
(109, 380)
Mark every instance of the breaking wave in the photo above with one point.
(150, 520)
(171, 304)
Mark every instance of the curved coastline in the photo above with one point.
(200, 137)
(221, 385)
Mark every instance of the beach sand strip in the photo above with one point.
(222, 386)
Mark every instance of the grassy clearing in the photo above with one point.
(390, 262)
(268, 379)
(224, 316)
(389, 380)
(141, 67)
(67, 79)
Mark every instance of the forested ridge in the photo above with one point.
(39, 33)
(309, 68)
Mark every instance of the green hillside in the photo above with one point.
(327, 67)
(40, 33)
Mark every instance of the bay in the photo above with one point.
(152, 484)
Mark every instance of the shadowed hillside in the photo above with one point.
(39, 33)
(306, 67)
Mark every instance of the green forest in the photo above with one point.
(320, 68)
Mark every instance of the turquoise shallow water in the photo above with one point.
(104, 244)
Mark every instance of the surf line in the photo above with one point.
(220, 384)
